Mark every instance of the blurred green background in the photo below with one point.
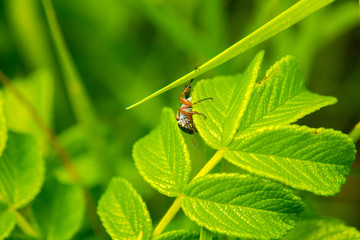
(125, 50)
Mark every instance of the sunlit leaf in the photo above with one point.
(241, 205)
(281, 97)
(123, 212)
(22, 170)
(58, 210)
(178, 235)
(7, 221)
(162, 157)
(323, 229)
(230, 98)
(315, 160)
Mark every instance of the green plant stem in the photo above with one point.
(81, 103)
(169, 215)
(211, 163)
(355, 133)
(25, 225)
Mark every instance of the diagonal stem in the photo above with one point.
(170, 214)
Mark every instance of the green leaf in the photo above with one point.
(281, 98)
(162, 157)
(58, 210)
(38, 89)
(231, 96)
(3, 128)
(123, 212)
(241, 205)
(22, 170)
(178, 235)
(7, 222)
(323, 229)
(316, 160)
(284, 20)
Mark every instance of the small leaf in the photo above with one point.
(58, 210)
(162, 157)
(241, 205)
(38, 89)
(323, 229)
(21, 170)
(281, 98)
(7, 222)
(178, 235)
(123, 212)
(316, 160)
(231, 96)
(3, 128)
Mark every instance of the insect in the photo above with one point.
(185, 112)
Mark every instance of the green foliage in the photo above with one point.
(3, 128)
(281, 98)
(178, 235)
(231, 96)
(7, 220)
(58, 210)
(241, 205)
(22, 170)
(38, 89)
(321, 229)
(162, 157)
(79, 86)
(315, 160)
(123, 212)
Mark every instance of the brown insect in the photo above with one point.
(185, 112)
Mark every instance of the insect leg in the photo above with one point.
(202, 100)
(186, 90)
(193, 112)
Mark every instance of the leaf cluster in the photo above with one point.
(251, 125)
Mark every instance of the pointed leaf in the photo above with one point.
(323, 229)
(3, 128)
(231, 96)
(7, 221)
(38, 89)
(281, 97)
(178, 235)
(162, 157)
(21, 170)
(316, 160)
(241, 205)
(123, 212)
(58, 210)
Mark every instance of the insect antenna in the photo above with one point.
(192, 139)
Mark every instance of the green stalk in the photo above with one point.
(170, 214)
(80, 101)
(355, 133)
(25, 226)
(294, 14)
